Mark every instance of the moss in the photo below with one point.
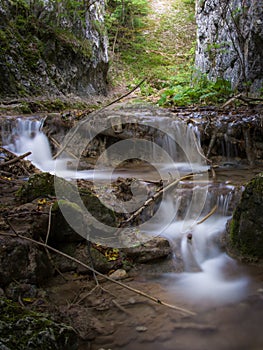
(246, 226)
(24, 329)
(25, 39)
(38, 185)
(97, 209)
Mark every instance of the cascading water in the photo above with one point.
(205, 275)
(24, 136)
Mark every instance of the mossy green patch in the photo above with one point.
(246, 226)
(38, 185)
(24, 329)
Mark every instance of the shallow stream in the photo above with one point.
(226, 295)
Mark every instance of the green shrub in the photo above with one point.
(186, 91)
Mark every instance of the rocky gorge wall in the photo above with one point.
(230, 41)
(50, 49)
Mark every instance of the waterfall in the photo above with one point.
(206, 267)
(21, 136)
(181, 211)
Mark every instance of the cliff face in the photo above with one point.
(51, 49)
(230, 41)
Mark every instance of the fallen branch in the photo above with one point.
(243, 98)
(55, 142)
(98, 111)
(232, 99)
(207, 216)
(54, 250)
(14, 160)
(152, 199)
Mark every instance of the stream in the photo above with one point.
(226, 295)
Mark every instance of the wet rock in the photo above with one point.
(68, 222)
(154, 249)
(118, 274)
(100, 261)
(38, 186)
(245, 239)
(22, 261)
(16, 290)
(61, 230)
(23, 329)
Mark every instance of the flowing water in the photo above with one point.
(210, 277)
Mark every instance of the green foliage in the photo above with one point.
(21, 328)
(159, 50)
(164, 53)
(124, 19)
(189, 2)
(184, 91)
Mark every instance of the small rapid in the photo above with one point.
(209, 276)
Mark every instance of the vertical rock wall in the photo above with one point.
(50, 49)
(230, 42)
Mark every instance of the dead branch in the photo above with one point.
(98, 111)
(207, 216)
(55, 142)
(211, 143)
(54, 250)
(14, 160)
(243, 98)
(152, 199)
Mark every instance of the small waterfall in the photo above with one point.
(180, 212)
(21, 136)
(180, 142)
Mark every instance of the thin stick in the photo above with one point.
(232, 99)
(14, 160)
(83, 113)
(154, 299)
(49, 223)
(58, 146)
(207, 216)
(152, 199)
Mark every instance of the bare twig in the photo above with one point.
(55, 142)
(54, 250)
(207, 216)
(152, 199)
(232, 99)
(14, 160)
(49, 223)
(98, 111)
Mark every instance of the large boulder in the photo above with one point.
(245, 239)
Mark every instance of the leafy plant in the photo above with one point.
(124, 19)
(201, 90)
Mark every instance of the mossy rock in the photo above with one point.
(24, 329)
(246, 226)
(38, 185)
(61, 231)
(42, 185)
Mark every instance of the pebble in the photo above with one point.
(141, 329)
(118, 274)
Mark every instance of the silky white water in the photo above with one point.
(206, 276)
